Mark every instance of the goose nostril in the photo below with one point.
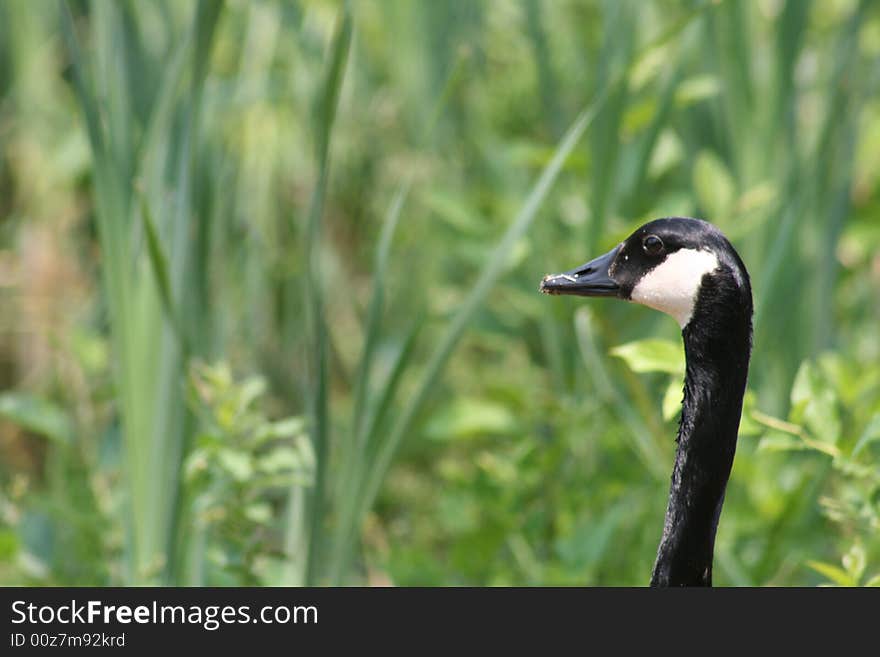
(583, 272)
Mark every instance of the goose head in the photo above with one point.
(667, 264)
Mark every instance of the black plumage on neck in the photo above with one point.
(717, 343)
(687, 268)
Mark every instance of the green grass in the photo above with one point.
(351, 204)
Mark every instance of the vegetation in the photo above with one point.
(268, 271)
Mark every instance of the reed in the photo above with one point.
(353, 203)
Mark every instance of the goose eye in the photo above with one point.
(652, 245)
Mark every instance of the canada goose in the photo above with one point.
(687, 268)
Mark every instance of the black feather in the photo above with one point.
(717, 343)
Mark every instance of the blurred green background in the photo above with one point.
(268, 287)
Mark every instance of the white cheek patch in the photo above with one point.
(672, 286)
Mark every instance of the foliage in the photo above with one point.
(239, 467)
(835, 413)
(349, 206)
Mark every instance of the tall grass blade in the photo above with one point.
(638, 434)
(326, 113)
(488, 276)
(159, 267)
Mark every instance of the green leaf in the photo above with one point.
(697, 88)
(467, 418)
(833, 573)
(748, 426)
(855, 561)
(286, 428)
(869, 435)
(652, 355)
(195, 465)
(159, 267)
(249, 391)
(672, 399)
(237, 464)
(814, 404)
(325, 115)
(804, 385)
(713, 185)
(37, 415)
(279, 460)
(260, 513)
(874, 582)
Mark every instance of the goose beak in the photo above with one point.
(589, 280)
